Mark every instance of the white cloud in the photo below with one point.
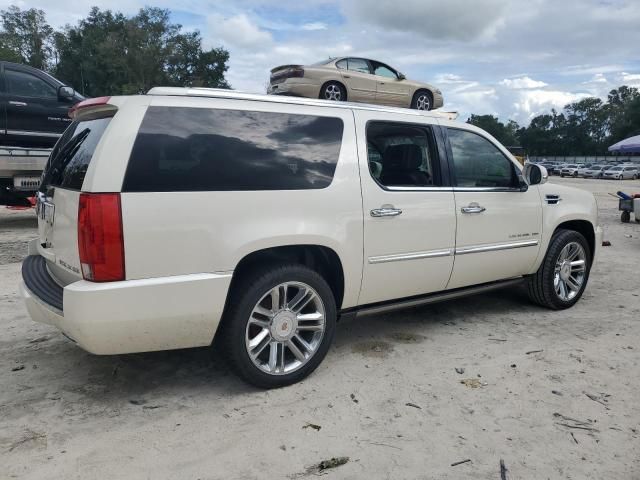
(530, 103)
(238, 31)
(453, 19)
(522, 83)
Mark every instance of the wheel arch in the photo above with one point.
(584, 227)
(319, 258)
(418, 91)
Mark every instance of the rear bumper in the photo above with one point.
(134, 315)
(297, 88)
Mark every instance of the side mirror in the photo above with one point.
(65, 92)
(535, 174)
(401, 76)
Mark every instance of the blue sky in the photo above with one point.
(511, 58)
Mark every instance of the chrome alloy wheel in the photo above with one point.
(285, 328)
(332, 92)
(570, 271)
(423, 102)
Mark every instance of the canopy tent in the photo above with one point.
(628, 145)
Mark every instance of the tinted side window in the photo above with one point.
(402, 155)
(359, 65)
(70, 158)
(200, 149)
(478, 163)
(383, 71)
(28, 85)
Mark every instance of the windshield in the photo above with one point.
(616, 168)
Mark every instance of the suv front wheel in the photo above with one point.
(562, 277)
(279, 325)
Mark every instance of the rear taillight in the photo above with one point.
(296, 73)
(100, 239)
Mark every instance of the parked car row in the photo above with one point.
(588, 170)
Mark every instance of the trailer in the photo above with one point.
(20, 172)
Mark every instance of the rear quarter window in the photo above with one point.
(199, 149)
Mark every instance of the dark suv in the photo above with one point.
(33, 106)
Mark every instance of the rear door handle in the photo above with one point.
(17, 104)
(385, 212)
(473, 207)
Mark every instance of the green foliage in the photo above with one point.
(505, 134)
(25, 37)
(585, 127)
(108, 53)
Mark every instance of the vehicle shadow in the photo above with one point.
(149, 380)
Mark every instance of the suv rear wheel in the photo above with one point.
(279, 325)
(562, 277)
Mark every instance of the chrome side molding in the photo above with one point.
(411, 256)
(495, 247)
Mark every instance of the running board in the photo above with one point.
(382, 307)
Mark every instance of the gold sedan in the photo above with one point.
(356, 80)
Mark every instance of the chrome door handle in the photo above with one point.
(472, 208)
(385, 212)
(17, 104)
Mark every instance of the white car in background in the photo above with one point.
(570, 170)
(583, 168)
(595, 171)
(621, 172)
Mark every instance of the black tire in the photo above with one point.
(575, 174)
(422, 95)
(562, 175)
(333, 91)
(541, 284)
(625, 217)
(246, 294)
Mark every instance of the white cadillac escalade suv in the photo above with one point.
(169, 219)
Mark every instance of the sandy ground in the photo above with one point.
(387, 396)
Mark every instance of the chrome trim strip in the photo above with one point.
(485, 189)
(495, 247)
(399, 257)
(33, 134)
(437, 297)
(419, 189)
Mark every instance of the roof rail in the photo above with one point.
(234, 94)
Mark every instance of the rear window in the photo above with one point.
(198, 149)
(70, 158)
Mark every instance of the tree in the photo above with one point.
(110, 54)
(505, 134)
(624, 113)
(25, 37)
